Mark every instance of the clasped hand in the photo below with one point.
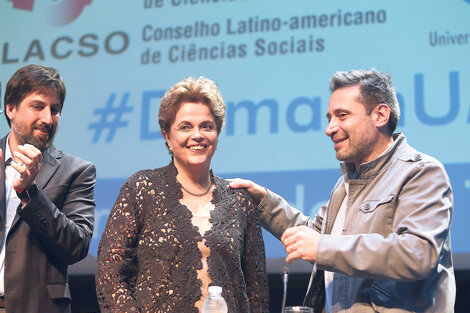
(300, 242)
(27, 161)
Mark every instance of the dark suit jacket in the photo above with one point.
(51, 232)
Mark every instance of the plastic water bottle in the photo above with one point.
(214, 303)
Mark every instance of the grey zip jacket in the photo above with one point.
(394, 254)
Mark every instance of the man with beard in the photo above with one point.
(382, 242)
(46, 198)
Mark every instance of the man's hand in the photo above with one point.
(256, 191)
(301, 243)
(28, 163)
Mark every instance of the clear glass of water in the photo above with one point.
(298, 309)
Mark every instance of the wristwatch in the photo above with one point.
(28, 193)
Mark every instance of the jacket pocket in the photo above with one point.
(59, 291)
(369, 206)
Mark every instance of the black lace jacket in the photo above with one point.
(148, 255)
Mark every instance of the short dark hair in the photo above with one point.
(33, 78)
(375, 88)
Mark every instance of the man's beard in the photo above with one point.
(41, 142)
(357, 151)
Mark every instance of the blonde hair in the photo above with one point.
(201, 90)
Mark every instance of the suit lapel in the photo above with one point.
(3, 205)
(50, 164)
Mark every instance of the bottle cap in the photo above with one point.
(215, 290)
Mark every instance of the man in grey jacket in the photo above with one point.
(382, 242)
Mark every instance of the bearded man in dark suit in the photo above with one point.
(46, 198)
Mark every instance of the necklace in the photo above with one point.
(199, 194)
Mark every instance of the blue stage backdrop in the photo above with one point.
(272, 60)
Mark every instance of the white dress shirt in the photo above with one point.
(12, 202)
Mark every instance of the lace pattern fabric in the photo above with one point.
(148, 256)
